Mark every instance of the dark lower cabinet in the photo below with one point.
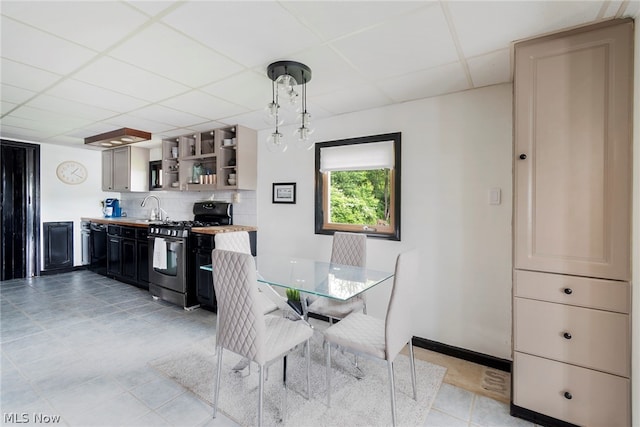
(58, 245)
(128, 255)
(142, 250)
(114, 251)
(201, 247)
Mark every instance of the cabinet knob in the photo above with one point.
(523, 156)
(568, 395)
(567, 335)
(568, 291)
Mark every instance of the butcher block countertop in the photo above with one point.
(223, 229)
(144, 223)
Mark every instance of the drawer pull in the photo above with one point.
(567, 335)
(568, 395)
(568, 291)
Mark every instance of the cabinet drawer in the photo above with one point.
(128, 232)
(597, 399)
(582, 291)
(591, 338)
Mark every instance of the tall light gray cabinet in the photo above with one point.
(572, 226)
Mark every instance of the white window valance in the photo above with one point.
(353, 157)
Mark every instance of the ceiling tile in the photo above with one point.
(96, 25)
(152, 7)
(487, 26)
(56, 120)
(329, 71)
(249, 89)
(71, 108)
(86, 93)
(25, 76)
(15, 94)
(203, 105)
(426, 83)
(362, 97)
(492, 68)
(29, 46)
(252, 33)
(170, 116)
(422, 36)
(177, 57)
(120, 77)
(337, 19)
(131, 121)
(7, 106)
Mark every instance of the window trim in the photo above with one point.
(322, 227)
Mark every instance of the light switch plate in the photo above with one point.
(494, 196)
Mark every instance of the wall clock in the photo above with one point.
(71, 172)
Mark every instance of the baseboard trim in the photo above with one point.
(51, 272)
(464, 354)
(537, 418)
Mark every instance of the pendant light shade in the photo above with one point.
(285, 77)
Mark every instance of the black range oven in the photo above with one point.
(170, 277)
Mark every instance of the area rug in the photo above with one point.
(354, 402)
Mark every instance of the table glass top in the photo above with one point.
(335, 281)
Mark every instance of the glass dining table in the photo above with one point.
(325, 279)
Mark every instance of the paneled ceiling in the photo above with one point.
(74, 69)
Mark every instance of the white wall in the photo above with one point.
(454, 149)
(63, 202)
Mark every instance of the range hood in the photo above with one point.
(118, 138)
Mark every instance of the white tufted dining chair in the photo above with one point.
(346, 249)
(377, 338)
(238, 241)
(243, 328)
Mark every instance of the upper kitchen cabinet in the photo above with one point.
(125, 169)
(573, 104)
(217, 159)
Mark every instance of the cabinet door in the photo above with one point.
(143, 263)
(572, 95)
(204, 280)
(121, 168)
(129, 259)
(107, 170)
(113, 256)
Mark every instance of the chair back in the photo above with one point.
(241, 326)
(349, 249)
(237, 241)
(398, 320)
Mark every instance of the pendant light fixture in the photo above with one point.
(285, 76)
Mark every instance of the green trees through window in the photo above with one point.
(360, 197)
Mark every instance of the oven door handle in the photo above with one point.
(173, 240)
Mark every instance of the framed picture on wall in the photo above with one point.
(284, 192)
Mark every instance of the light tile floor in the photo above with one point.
(77, 345)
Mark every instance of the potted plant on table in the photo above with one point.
(293, 299)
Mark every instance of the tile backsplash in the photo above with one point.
(179, 205)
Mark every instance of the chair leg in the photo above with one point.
(328, 374)
(260, 393)
(283, 411)
(393, 392)
(413, 370)
(308, 369)
(217, 389)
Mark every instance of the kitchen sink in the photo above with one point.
(149, 221)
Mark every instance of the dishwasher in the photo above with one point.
(85, 230)
(98, 248)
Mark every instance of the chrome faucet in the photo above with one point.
(160, 210)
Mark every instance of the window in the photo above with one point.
(358, 186)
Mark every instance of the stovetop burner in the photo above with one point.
(206, 214)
